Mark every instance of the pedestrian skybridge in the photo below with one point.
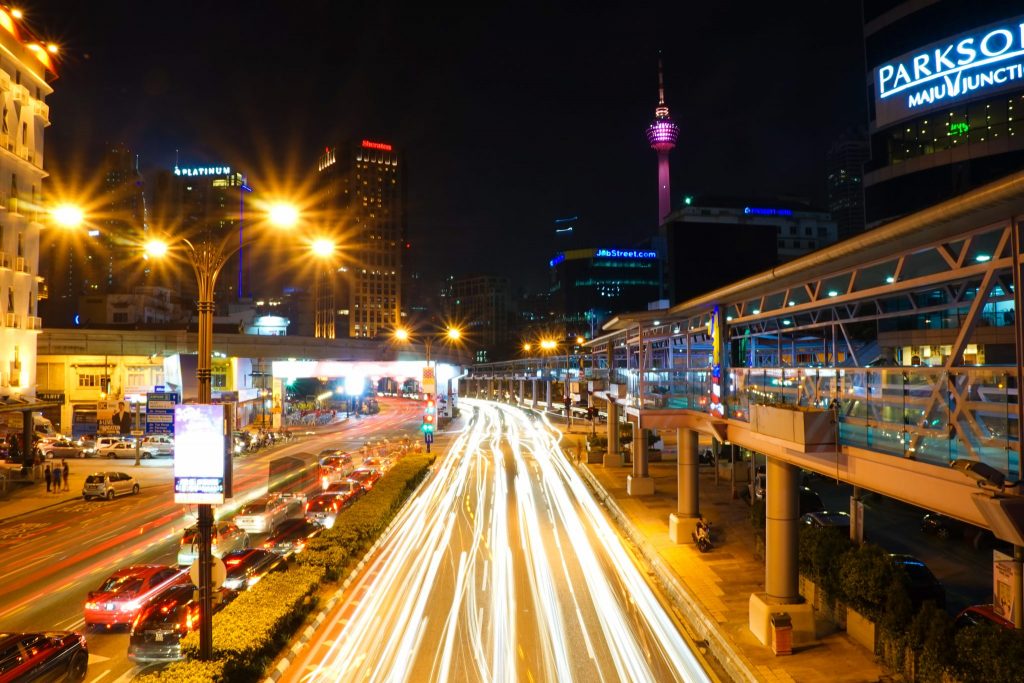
(879, 360)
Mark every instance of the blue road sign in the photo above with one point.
(160, 412)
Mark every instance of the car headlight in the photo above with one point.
(232, 584)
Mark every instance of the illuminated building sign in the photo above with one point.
(978, 63)
(555, 261)
(369, 144)
(625, 253)
(202, 171)
(760, 211)
(958, 128)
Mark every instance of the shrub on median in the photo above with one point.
(186, 672)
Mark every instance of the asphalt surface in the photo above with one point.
(501, 567)
(51, 559)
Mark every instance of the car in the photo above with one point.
(941, 525)
(261, 515)
(163, 446)
(838, 520)
(345, 487)
(43, 656)
(59, 448)
(810, 501)
(246, 567)
(981, 614)
(118, 599)
(126, 449)
(335, 467)
(323, 509)
(367, 477)
(921, 583)
(157, 631)
(226, 537)
(92, 446)
(290, 537)
(108, 484)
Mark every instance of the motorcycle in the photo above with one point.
(702, 536)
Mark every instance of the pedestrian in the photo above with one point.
(48, 476)
(56, 479)
(67, 474)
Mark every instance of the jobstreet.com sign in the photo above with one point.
(979, 63)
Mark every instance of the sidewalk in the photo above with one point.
(718, 584)
(24, 498)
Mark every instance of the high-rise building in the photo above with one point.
(662, 135)
(98, 262)
(844, 166)
(945, 97)
(363, 196)
(205, 203)
(25, 71)
(481, 306)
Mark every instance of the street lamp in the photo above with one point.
(323, 250)
(207, 258)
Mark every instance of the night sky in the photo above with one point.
(509, 115)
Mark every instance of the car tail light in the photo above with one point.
(268, 545)
(91, 605)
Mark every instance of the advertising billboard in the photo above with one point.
(978, 63)
(199, 454)
(114, 418)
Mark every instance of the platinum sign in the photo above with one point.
(979, 63)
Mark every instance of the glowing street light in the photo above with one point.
(401, 334)
(322, 248)
(156, 248)
(283, 215)
(67, 215)
(548, 344)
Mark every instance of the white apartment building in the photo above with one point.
(25, 68)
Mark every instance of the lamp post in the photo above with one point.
(451, 335)
(207, 259)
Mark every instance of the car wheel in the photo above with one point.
(85, 497)
(110, 494)
(135, 489)
(78, 667)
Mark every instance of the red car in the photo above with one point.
(48, 656)
(118, 600)
(367, 477)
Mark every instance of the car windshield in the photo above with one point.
(321, 503)
(917, 572)
(166, 611)
(94, 479)
(121, 584)
(343, 486)
(253, 508)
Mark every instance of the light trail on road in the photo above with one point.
(501, 568)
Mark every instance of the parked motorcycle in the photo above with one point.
(702, 536)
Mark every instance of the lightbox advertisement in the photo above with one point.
(199, 454)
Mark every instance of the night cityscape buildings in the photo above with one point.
(844, 177)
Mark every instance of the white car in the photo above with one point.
(126, 449)
(262, 515)
(161, 445)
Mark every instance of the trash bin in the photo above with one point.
(782, 633)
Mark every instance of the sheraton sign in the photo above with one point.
(978, 63)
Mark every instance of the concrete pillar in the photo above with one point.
(522, 389)
(687, 477)
(533, 394)
(547, 394)
(639, 483)
(782, 500)
(611, 456)
(490, 388)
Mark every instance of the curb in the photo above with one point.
(733, 661)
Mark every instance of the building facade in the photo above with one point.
(25, 72)
(363, 199)
(844, 182)
(481, 306)
(945, 95)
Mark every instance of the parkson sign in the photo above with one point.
(978, 63)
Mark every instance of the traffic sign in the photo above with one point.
(138, 432)
(428, 437)
(218, 573)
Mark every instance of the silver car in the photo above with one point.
(126, 449)
(226, 537)
(108, 484)
(262, 515)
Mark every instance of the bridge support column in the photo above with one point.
(781, 580)
(687, 477)
(533, 394)
(490, 388)
(547, 395)
(639, 483)
(611, 455)
(522, 389)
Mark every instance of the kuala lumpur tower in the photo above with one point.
(662, 134)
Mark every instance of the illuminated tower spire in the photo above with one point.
(662, 134)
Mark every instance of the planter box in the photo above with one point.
(810, 427)
(860, 629)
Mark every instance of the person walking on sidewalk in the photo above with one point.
(56, 479)
(67, 474)
(49, 477)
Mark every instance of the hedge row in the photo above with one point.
(922, 647)
(249, 632)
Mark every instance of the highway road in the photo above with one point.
(501, 567)
(51, 559)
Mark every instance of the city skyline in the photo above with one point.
(562, 131)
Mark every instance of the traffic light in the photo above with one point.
(429, 416)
